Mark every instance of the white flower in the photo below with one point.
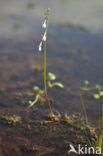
(44, 24)
(40, 46)
(44, 36)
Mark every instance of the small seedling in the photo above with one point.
(86, 82)
(86, 86)
(98, 92)
(52, 77)
(40, 93)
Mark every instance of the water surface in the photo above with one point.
(74, 54)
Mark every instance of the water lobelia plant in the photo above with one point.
(51, 76)
(97, 93)
(45, 26)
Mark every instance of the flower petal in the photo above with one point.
(44, 36)
(40, 46)
(44, 24)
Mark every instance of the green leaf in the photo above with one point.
(40, 91)
(84, 88)
(58, 84)
(30, 102)
(36, 88)
(96, 96)
(86, 82)
(98, 88)
(101, 93)
(51, 76)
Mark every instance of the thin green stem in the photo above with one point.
(45, 84)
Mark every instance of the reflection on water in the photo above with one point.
(74, 54)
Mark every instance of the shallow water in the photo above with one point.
(74, 54)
